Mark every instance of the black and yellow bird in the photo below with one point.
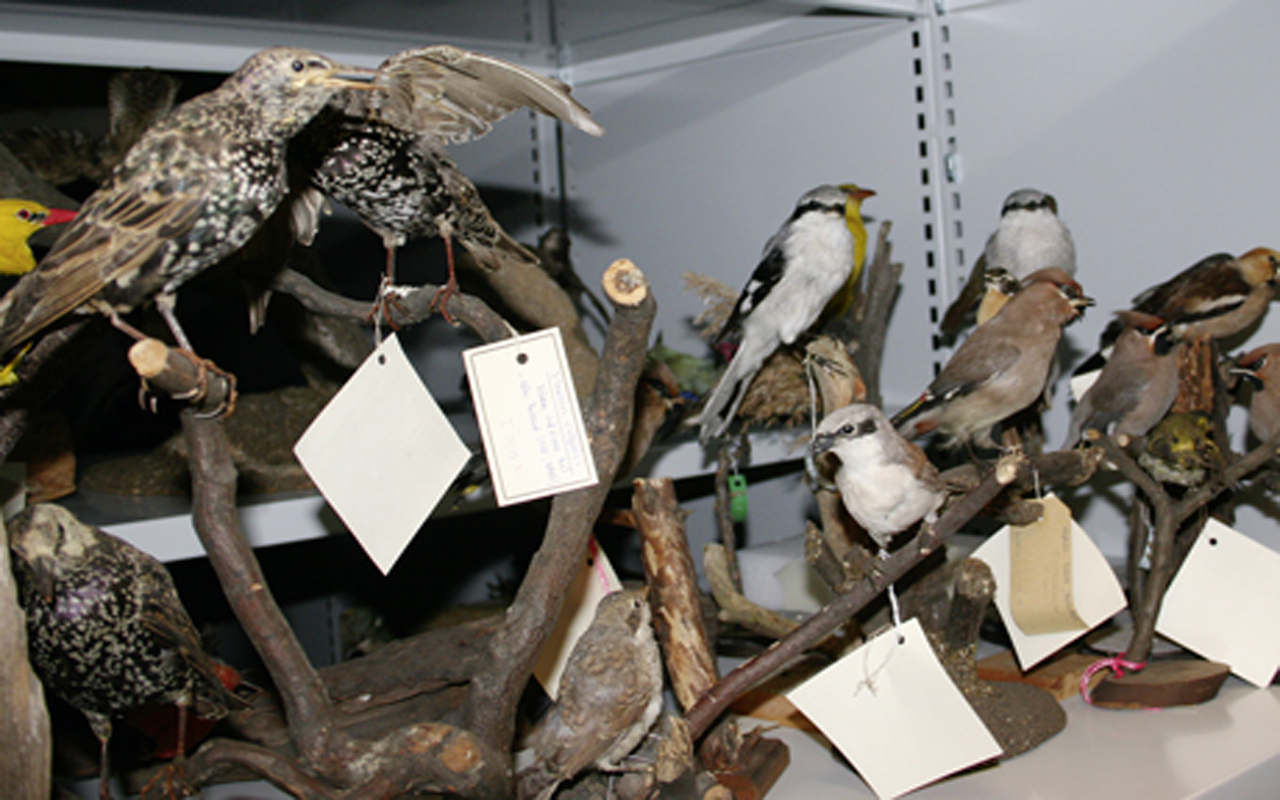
(192, 190)
(382, 154)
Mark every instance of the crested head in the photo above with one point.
(1260, 265)
(628, 608)
(287, 86)
(1029, 200)
(1037, 285)
(1259, 359)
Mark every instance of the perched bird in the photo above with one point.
(382, 155)
(803, 266)
(1261, 368)
(1181, 449)
(106, 629)
(18, 220)
(886, 482)
(838, 305)
(1001, 368)
(1138, 384)
(1030, 237)
(1000, 285)
(609, 697)
(192, 190)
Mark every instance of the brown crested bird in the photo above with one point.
(1217, 296)
(609, 697)
(1029, 237)
(1001, 368)
(382, 155)
(194, 188)
(1138, 384)
(886, 483)
(106, 629)
(1261, 368)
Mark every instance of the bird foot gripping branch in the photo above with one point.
(184, 376)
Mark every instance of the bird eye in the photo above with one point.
(847, 429)
(24, 214)
(298, 66)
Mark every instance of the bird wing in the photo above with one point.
(453, 95)
(960, 309)
(117, 232)
(765, 276)
(1175, 293)
(973, 366)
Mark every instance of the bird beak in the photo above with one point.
(820, 444)
(1248, 376)
(1081, 303)
(57, 216)
(352, 78)
(856, 192)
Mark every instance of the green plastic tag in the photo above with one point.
(738, 497)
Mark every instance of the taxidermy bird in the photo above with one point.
(803, 266)
(1001, 368)
(1260, 367)
(1030, 237)
(839, 305)
(106, 629)
(382, 155)
(886, 483)
(1181, 449)
(609, 697)
(1000, 285)
(1138, 384)
(18, 220)
(194, 189)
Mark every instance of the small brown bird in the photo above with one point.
(1261, 368)
(106, 628)
(1001, 368)
(1030, 237)
(1216, 297)
(193, 189)
(610, 695)
(885, 482)
(1138, 384)
(382, 154)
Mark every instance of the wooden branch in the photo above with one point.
(880, 289)
(734, 607)
(845, 605)
(207, 389)
(673, 588)
(41, 373)
(734, 450)
(514, 648)
(27, 755)
(414, 305)
(217, 756)
(213, 477)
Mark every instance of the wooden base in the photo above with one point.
(1179, 682)
(1060, 675)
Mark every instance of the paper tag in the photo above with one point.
(534, 437)
(1224, 603)
(382, 453)
(892, 710)
(1094, 588)
(595, 580)
(1040, 594)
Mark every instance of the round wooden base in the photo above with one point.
(1178, 682)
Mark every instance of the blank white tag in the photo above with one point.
(595, 580)
(1224, 603)
(891, 709)
(1095, 591)
(382, 453)
(534, 437)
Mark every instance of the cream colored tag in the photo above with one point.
(534, 437)
(1040, 595)
(1094, 588)
(382, 453)
(595, 580)
(1224, 603)
(891, 709)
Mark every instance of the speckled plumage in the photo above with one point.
(106, 629)
(610, 695)
(194, 189)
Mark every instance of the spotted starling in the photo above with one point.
(382, 154)
(106, 629)
(193, 189)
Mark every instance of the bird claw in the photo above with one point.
(387, 301)
(198, 393)
(441, 300)
(173, 780)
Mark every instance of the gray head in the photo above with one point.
(289, 85)
(1029, 200)
(825, 199)
(628, 608)
(854, 421)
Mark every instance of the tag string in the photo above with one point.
(898, 640)
(1117, 664)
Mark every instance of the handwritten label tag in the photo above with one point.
(891, 709)
(595, 580)
(529, 418)
(1040, 584)
(382, 453)
(1224, 603)
(1095, 591)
